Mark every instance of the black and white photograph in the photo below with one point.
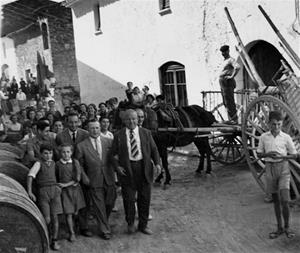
(150, 126)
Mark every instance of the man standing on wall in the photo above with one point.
(227, 83)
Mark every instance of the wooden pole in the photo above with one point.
(285, 43)
(256, 76)
(201, 129)
(289, 54)
(245, 63)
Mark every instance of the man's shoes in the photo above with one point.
(146, 231)
(131, 229)
(86, 233)
(72, 237)
(54, 245)
(106, 236)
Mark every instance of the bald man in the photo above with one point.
(141, 117)
(132, 150)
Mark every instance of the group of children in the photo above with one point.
(57, 189)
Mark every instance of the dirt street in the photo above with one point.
(221, 214)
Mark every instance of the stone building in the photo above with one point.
(37, 41)
(173, 45)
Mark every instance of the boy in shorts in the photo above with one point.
(273, 146)
(48, 192)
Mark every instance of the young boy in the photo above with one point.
(273, 146)
(48, 198)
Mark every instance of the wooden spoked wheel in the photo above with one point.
(227, 147)
(220, 112)
(255, 123)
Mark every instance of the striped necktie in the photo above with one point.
(133, 145)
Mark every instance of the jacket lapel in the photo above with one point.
(68, 137)
(123, 143)
(143, 140)
(91, 149)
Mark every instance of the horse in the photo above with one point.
(187, 116)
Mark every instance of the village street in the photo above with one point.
(221, 214)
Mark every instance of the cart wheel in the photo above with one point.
(227, 147)
(255, 123)
(221, 115)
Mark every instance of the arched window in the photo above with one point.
(45, 35)
(266, 59)
(173, 84)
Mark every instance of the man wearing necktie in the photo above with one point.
(133, 151)
(72, 134)
(98, 175)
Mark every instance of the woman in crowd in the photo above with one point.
(92, 112)
(14, 130)
(31, 115)
(83, 108)
(50, 117)
(150, 101)
(58, 126)
(22, 116)
(102, 110)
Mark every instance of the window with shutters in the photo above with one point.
(97, 19)
(173, 84)
(164, 7)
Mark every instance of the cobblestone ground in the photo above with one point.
(225, 213)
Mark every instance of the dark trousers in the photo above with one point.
(83, 213)
(103, 200)
(227, 90)
(142, 189)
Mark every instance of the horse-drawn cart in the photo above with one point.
(232, 143)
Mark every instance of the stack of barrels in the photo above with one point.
(22, 226)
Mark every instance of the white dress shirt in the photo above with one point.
(138, 142)
(108, 135)
(71, 134)
(96, 142)
(282, 143)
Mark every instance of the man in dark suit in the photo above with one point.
(98, 174)
(133, 151)
(72, 134)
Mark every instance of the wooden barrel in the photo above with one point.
(11, 148)
(8, 156)
(15, 170)
(22, 226)
(8, 182)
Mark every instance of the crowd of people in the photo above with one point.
(76, 163)
(76, 160)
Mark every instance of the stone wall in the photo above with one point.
(59, 57)
(63, 47)
(28, 43)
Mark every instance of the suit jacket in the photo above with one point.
(96, 169)
(149, 151)
(64, 137)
